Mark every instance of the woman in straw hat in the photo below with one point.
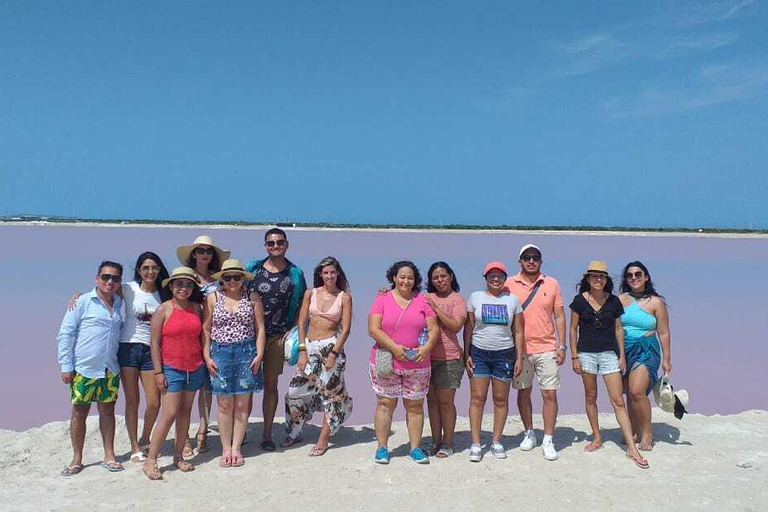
(318, 384)
(234, 339)
(598, 339)
(177, 356)
(646, 342)
(205, 258)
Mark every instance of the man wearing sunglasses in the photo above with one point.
(87, 352)
(281, 286)
(544, 345)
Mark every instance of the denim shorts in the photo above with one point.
(497, 364)
(135, 355)
(599, 363)
(233, 368)
(179, 380)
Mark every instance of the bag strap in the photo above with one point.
(533, 293)
(397, 325)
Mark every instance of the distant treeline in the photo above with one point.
(464, 227)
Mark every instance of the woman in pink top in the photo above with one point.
(402, 322)
(318, 384)
(177, 357)
(447, 357)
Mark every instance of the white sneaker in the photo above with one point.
(475, 453)
(548, 449)
(498, 451)
(529, 441)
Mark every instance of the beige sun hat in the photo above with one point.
(232, 266)
(597, 267)
(181, 273)
(183, 252)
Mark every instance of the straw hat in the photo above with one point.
(181, 273)
(232, 266)
(597, 267)
(183, 252)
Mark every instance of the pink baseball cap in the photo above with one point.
(495, 264)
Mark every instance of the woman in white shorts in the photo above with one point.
(596, 335)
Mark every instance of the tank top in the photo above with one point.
(334, 312)
(229, 327)
(637, 322)
(180, 347)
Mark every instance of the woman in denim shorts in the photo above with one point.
(597, 337)
(494, 323)
(233, 352)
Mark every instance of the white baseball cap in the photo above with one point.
(526, 247)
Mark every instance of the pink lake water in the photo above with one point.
(715, 288)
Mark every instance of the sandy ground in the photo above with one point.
(699, 463)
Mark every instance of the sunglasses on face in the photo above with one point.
(275, 243)
(203, 250)
(530, 257)
(105, 278)
(636, 275)
(150, 269)
(183, 284)
(232, 277)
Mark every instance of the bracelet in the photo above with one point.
(335, 354)
(302, 347)
(575, 357)
(158, 373)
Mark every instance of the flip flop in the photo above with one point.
(444, 452)
(644, 447)
(155, 474)
(639, 461)
(225, 461)
(72, 470)
(289, 441)
(137, 457)
(268, 445)
(112, 466)
(593, 447)
(318, 451)
(238, 461)
(182, 465)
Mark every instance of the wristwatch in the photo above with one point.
(560, 347)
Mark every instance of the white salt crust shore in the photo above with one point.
(699, 463)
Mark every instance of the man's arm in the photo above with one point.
(66, 340)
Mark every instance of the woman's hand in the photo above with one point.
(421, 354)
(623, 364)
(470, 366)
(161, 383)
(398, 352)
(576, 366)
(73, 301)
(212, 368)
(666, 366)
(301, 364)
(430, 301)
(256, 363)
(330, 361)
(518, 368)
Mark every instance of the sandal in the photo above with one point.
(112, 466)
(444, 452)
(225, 461)
(290, 441)
(137, 457)
(182, 465)
(154, 473)
(268, 445)
(202, 442)
(318, 451)
(644, 447)
(238, 461)
(639, 461)
(430, 450)
(72, 470)
(187, 451)
(593, 446)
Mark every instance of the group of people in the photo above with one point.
(213, 326)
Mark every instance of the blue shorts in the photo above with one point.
(599, 363)
(135, 355)
(497, 364)
(179, 380)
(233, 368)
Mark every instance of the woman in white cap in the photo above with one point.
(234, 338)
(494, 344)
(597, 337)
(177, 357)
(205, 258)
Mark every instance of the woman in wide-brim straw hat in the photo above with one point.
(177, 358)
(234, 340)
(597, 337)
(205, 257)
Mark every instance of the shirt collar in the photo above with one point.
(518, 278)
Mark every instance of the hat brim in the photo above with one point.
(597, 272)
(220, 274)
(495, 268)
(167, 281)
(183, 253)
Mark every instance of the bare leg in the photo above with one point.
(590, 404)
(204, 404)
(77, 424)
(171, 403)
(107, 428)
(382, 421)
(478, 395)
(414, 411)
(130, 380)
(550, 410)
(447, 407)
(241, 422)
(269, 401)
(435, 420)
(152, 406)
(525, 407)
(613, 383)
(640, 407)
(325, 434)
(226, 405)
(182, 421)
(500, 407)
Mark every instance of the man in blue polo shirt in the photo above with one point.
(88, 341)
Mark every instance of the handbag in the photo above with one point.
(383, 359)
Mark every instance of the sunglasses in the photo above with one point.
(530, 257)
(183, 284)
(273, 243)
(637, 275)
(203, 250)
(105, 278)
(232, 277)
(150, 268)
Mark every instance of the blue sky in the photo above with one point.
(562, 113)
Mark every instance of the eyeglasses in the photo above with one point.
(203, 250)
(637, 275)
(530, 257)
(273, 243)
(232, 277)
(105, 278)
(183, 284)
(150, 268)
